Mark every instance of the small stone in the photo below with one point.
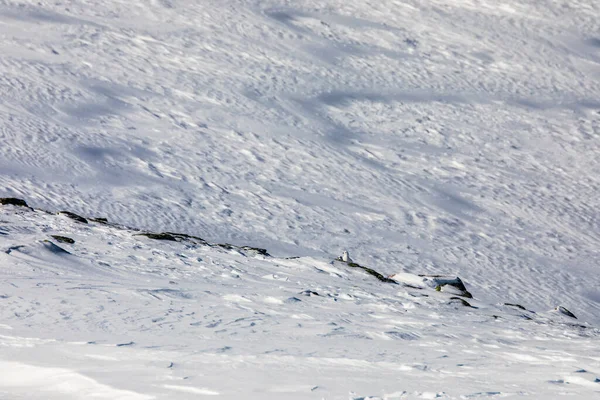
(293, 300)
(159, 236)
(258, 250)
(515, 305)
(63, 239)
(461, 301)
(74, 216)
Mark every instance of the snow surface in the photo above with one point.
(117, 315)
(459, 138)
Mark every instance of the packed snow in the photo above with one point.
(377, 150)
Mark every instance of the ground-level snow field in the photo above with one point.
(117, 315)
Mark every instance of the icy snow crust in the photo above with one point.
(458, 138)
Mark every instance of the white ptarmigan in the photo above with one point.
(346, 257)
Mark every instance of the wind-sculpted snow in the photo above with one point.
(456, 138)
(114, 314)
(430, 135)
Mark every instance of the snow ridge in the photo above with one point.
(179, 314)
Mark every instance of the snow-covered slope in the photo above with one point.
(440, 137)
(445, 136)
(118, 315)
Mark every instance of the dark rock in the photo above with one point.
(402, 335)
(515, 305)
(461, 301)
(13, 248)
(579, 326)
(74, 216)
(408, 285)
(63, 239)
(262, 252)
(564, 311)
(158, 236)
(440, 281)
(12, 201)
(293, 300)
(100, 220)
(370, 272)
(189, 238)
(309, 293)
(173, 237)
